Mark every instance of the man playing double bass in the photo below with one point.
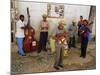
(20, 35)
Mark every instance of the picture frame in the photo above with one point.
(55, 10)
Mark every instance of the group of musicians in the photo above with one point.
(69, 34)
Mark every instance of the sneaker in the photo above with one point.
(21, 54)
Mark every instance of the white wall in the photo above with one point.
(71, 12)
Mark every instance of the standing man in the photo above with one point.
(44, 26)
(80, 23)
(58, 34)
(72, 34)
(85, 32)
(20, 35)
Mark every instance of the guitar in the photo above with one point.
(84, 29)
(61, 38)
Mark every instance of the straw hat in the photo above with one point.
(62, 22)
(44, 15)
(74, 20)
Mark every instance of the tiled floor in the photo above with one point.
(44, 61)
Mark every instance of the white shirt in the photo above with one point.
(19, 31)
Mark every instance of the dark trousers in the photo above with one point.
(12, 39)
(43, 41)
(72, 42)
(84, 43)
(79, 37)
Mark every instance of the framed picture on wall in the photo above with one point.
(55, 11)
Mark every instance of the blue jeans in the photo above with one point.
(20, 45)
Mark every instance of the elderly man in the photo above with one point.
(44, 26)
(72, 34)
(59, 33)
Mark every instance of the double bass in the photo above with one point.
(30, 43)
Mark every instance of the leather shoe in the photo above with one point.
(57, 68)
(61, 66)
